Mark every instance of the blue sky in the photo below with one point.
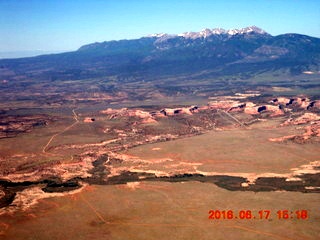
(52, 25)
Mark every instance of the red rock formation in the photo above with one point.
(301, 102)
(88, 120)
(311, 131)
(312, 128)
(224, 104)
(252, 109)
(305, 118)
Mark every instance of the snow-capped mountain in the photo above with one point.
(208, 32)
(219, 51)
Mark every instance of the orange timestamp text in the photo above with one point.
(259, 214)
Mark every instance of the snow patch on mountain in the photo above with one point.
(215, 31)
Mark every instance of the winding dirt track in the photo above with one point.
(44, 149)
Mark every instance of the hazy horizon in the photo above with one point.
(28, 53)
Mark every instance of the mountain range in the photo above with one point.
(210, 52)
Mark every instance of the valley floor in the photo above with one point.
(156, 171)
